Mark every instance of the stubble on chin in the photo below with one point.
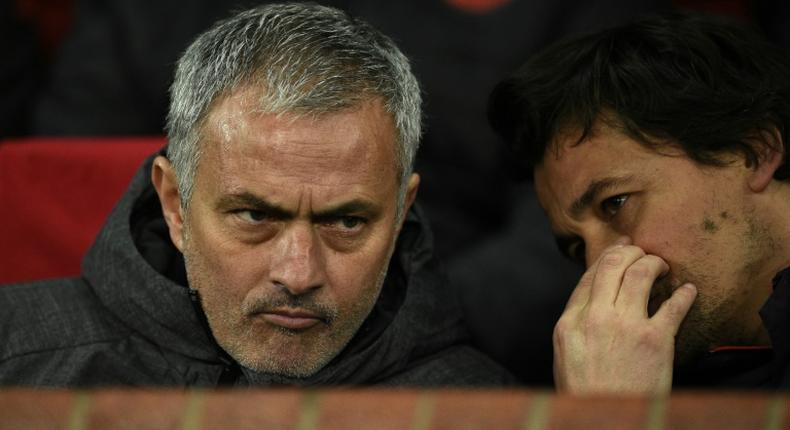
(715, 319)
(697, 331)
(721, 316)
(266, 348)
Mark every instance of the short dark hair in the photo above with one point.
(706, 84)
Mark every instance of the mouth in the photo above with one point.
(291, 319)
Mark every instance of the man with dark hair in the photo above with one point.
(275, 243)
(658, 152)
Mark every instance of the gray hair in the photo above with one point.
(307, 59)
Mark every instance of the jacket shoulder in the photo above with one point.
(52, 315)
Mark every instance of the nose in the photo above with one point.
(298, 263)
(596, 244)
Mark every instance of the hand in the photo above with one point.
(604, 342)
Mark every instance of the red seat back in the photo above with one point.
(55, 194)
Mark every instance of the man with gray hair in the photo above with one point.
(288, 190)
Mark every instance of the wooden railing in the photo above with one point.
(383, 409)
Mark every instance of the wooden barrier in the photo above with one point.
(384, 409)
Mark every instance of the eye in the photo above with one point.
(346, 226)
(250, 215)
(348, 223)
(351, 222)
(611, 206)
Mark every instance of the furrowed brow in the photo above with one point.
(353, 207)
(250, 201)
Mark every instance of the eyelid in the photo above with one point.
(335, 229)
(245, 215)
(614, 197)
(606, 201)
(361, 221)
(333, 218)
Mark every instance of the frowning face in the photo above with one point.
(290, 229)
(699, 219)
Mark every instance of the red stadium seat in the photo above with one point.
(54, 196)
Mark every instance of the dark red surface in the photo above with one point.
(55, 194)
(327, 409)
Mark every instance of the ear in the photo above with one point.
(771, 157)
(163, 178)
(411, 195)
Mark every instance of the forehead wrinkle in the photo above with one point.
(315, 154)
(304, 200)
(228, 124)
(299, 157)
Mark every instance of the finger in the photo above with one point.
(674, 310)
(609, 270)
(581, 294)
(638, 280)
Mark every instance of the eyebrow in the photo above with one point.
(254, 202)
(592, 192)
(272, 210)
(356, 206)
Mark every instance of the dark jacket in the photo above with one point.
(751, 367)
(130, 319)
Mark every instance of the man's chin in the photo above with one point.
(288, 353)
(290, 367)
(690, 342)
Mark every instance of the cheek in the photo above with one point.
(224, 263)
(672, 238)
(691, 254)
(356, 274)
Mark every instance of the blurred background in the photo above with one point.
(90, 68)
